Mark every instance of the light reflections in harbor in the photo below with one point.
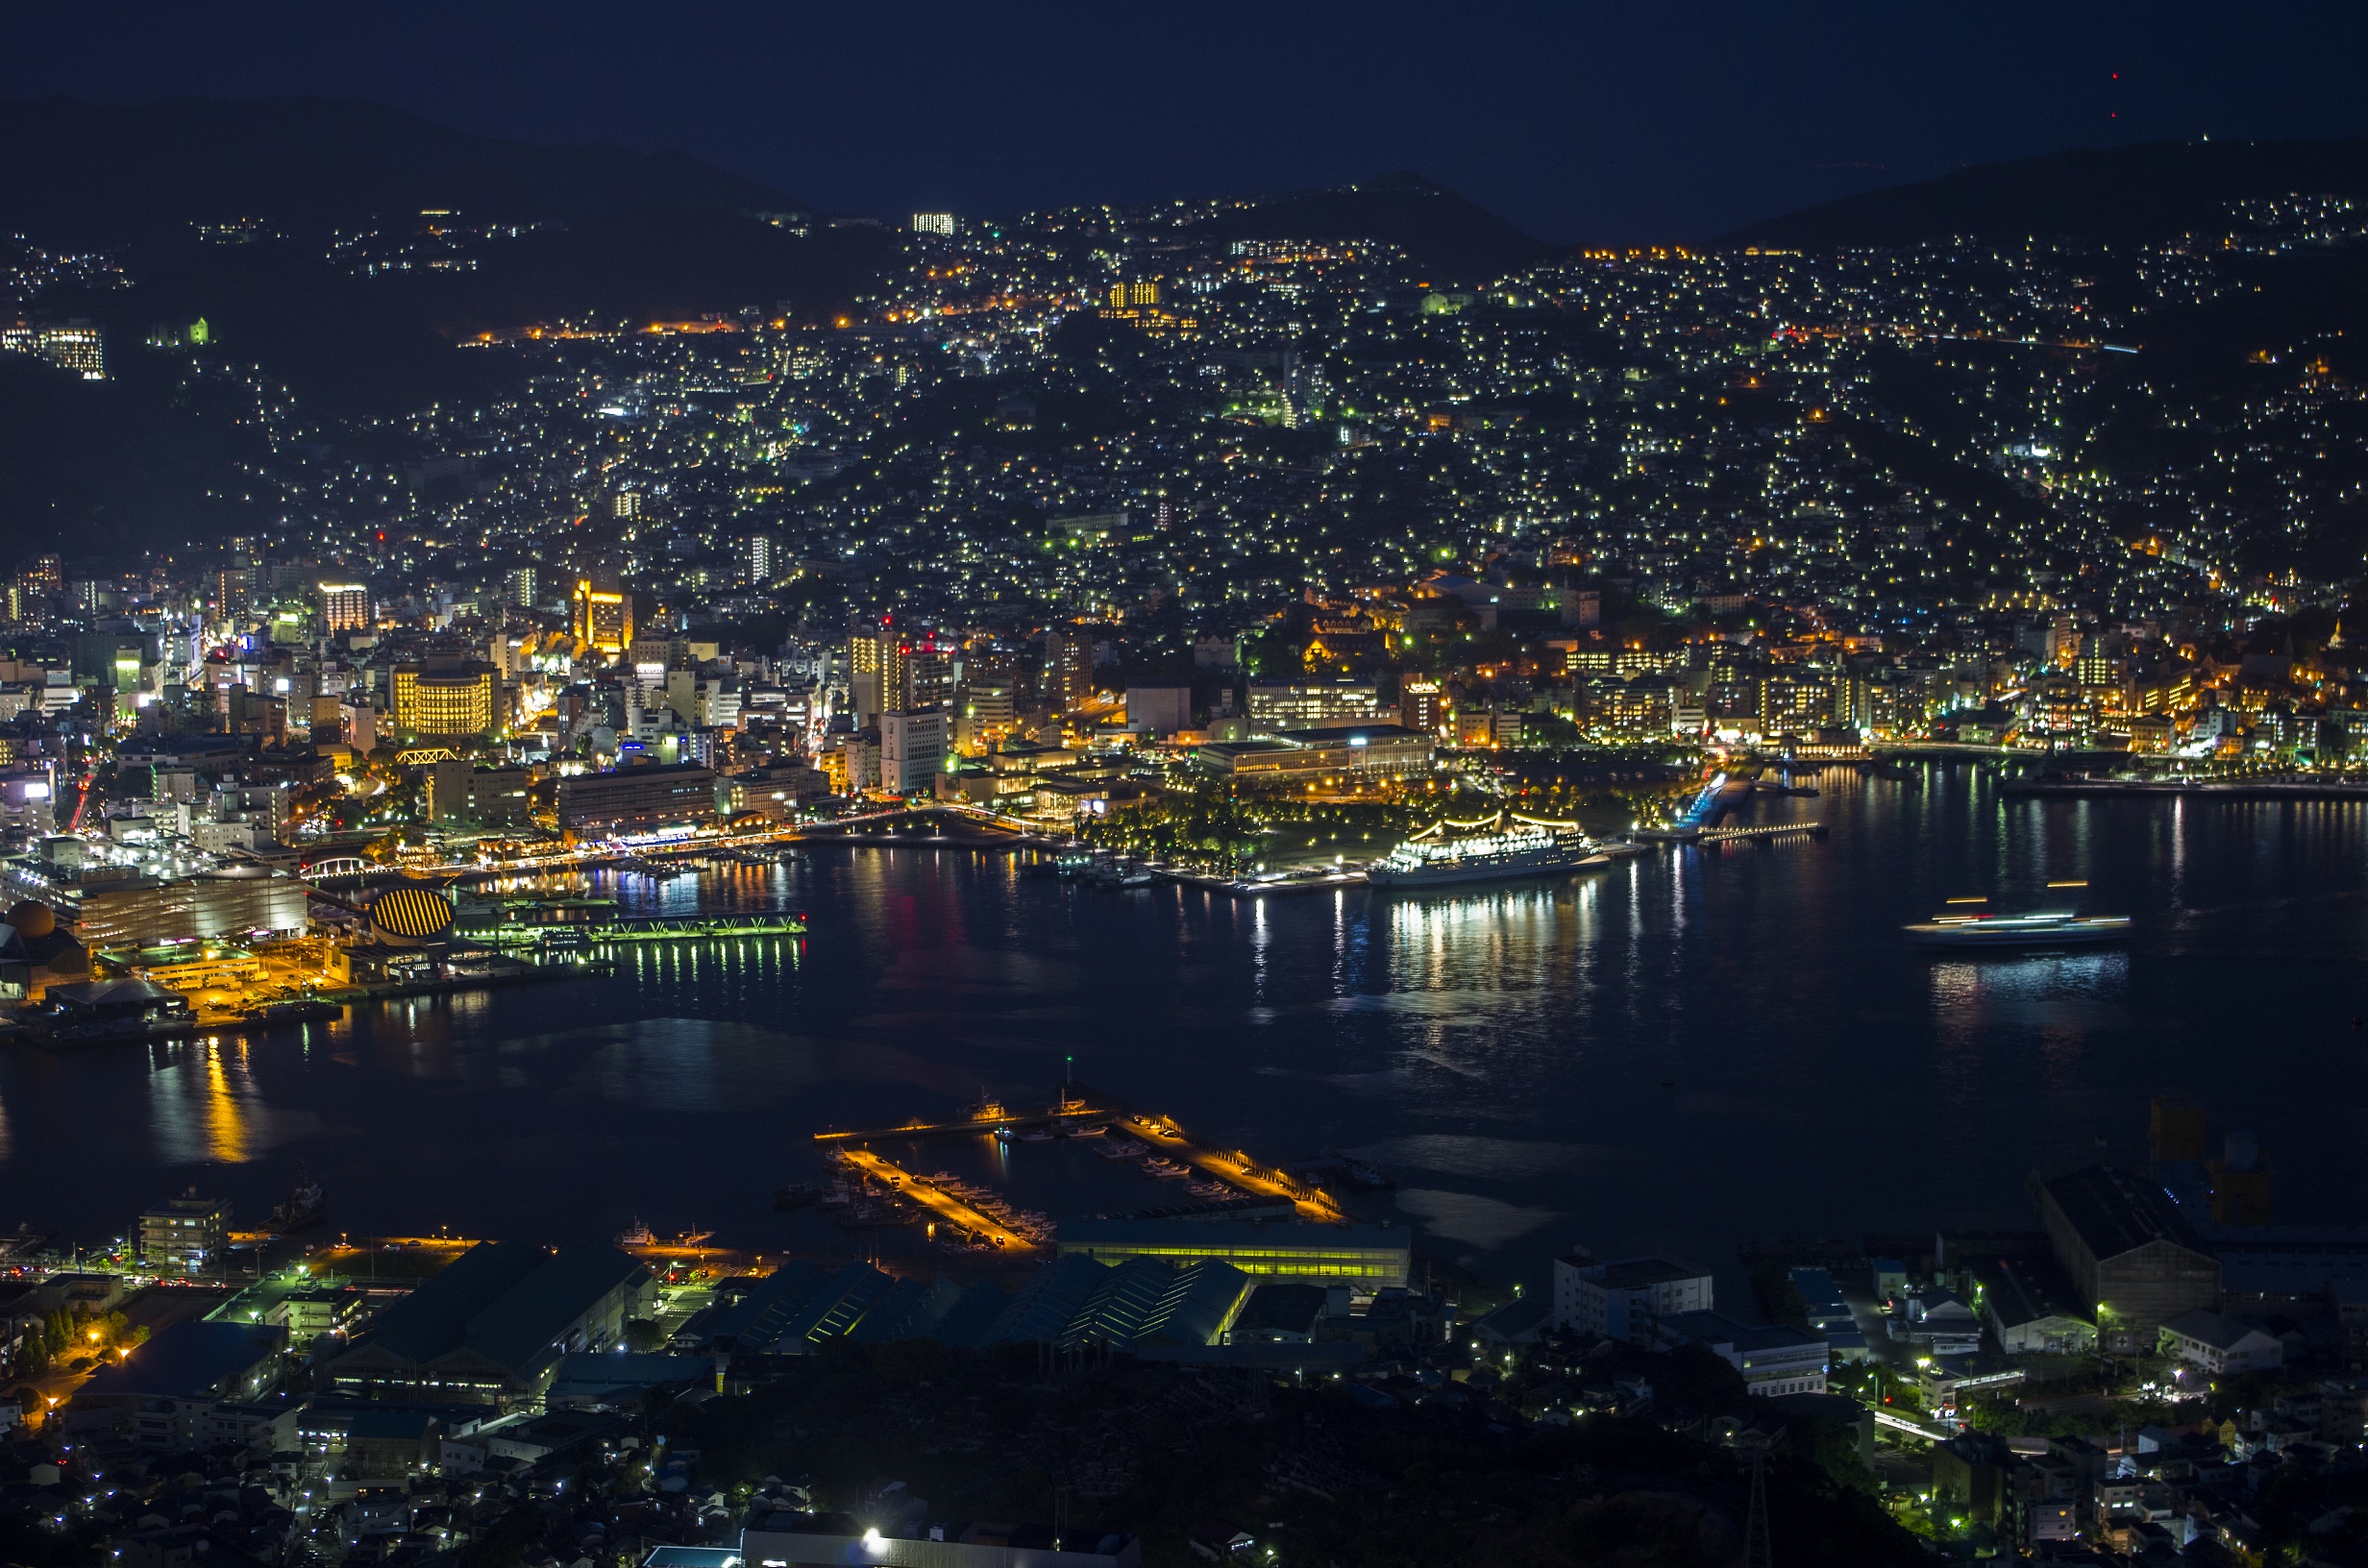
(203, 1104)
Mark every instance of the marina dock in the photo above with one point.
(1162, 1134)
(1765, 830)
(1234, 1167)
(1071, 1114)
(947, 1206)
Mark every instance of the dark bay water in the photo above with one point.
(1693, 1049)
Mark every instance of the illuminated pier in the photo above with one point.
(947, 1206)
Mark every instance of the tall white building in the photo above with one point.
(756, 559)
(1624, 1298)
(912, 750)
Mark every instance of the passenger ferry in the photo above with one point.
(2041, 928)
(1508, 846)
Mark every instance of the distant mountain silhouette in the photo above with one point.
(2156, 190)
(630, 237)
(1457, 239)
(97, 174)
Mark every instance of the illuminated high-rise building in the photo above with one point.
(1069, 666)
(1422, 706)
(929, 675)
(77, 346)
(624, 504)
(604, 616)
(757, 556)
(522, 587)
(235, 588)
(912, 750)
(874, 670)
(345, 606)
(1133, 295)
(941, 224)
(45, 576)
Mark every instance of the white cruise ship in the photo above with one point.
(1504, 849)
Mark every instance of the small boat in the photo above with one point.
(636, 1235)
(1123, 1148)
(1099, 1130)
(1037, 1134)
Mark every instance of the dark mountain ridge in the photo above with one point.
(2149, 191)
(1459, 240)
(96, 174)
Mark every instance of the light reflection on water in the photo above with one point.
(1684, 1049)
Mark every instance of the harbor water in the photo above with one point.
(1683, 1051)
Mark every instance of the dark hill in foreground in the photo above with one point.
(2156, 190)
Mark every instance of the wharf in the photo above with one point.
(523, 975)
(1162, 1133)
(1067, 1114)
(1765, 830)
(646, 928)
(1260, 888)
(1232, 1166)
(938, 1201)
(2191, 789)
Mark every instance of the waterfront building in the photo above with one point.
(146, 911)
(912, 750)
(186, 1233)
(2128, 1251)
(1364, 1257)
(2221, 1346)
(2026, 1320)
(1303, 755)
(1623, 1298)
(491, 1326)
(461, 794)
(170, 1391)
(637, 800)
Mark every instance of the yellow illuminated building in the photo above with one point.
(604, 616)
(1366, 1257)
(875, 664)
(448, 702)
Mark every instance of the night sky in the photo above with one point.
(1580, 121)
